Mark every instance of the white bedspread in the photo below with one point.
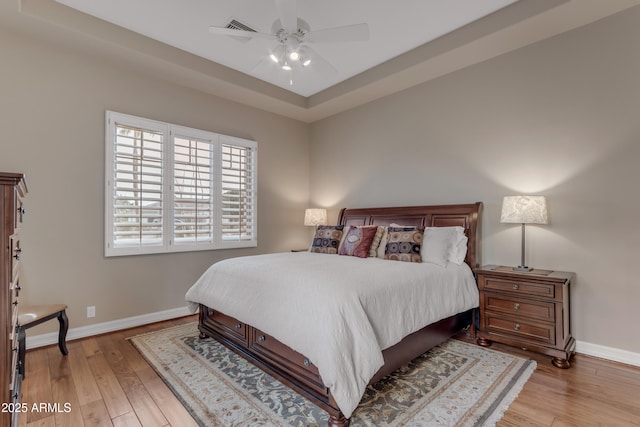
(339, 311)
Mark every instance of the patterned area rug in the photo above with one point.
(454, 384)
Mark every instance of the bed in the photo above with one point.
(328, 325)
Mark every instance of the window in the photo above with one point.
(170, 188)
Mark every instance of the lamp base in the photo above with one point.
(522, 268)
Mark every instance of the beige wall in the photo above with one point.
(559, 118)
(52, 104)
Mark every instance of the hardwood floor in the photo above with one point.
(593, 392)
(106, 382)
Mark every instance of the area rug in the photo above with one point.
(454, 384)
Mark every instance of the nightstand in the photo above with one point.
(529, 310)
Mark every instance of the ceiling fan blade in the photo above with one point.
(288, 12)
(348, 33)
(264, 65)
(318, 63)
(239, 33)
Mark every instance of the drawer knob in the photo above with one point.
(15, 395)
(516, 286)
(517, 327)
(516, 306)
(21, 210)
(238, 326)
(17, 255)
(307, 362)
(261, 338)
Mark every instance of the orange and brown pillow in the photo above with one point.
(358, 241)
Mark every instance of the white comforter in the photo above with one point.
(339, 311)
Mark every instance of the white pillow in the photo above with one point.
(436, 245)
(459, 251)
(443, 244)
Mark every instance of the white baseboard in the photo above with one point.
(101, 328)
(596, 350)
(609, 353)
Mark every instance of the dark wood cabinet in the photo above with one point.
(530, 310)
(12, 191)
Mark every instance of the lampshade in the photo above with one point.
(315, 217)
(524, 210)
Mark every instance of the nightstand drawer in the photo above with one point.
(520, 287)
(529, 331)
(520, 307)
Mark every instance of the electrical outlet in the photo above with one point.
(91, 311)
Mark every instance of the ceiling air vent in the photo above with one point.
(234, 24)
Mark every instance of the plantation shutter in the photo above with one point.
(193, 200)
(238, 192)
(171, 188)
(137, 187)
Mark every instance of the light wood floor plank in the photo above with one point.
(95, 414)
(170, 406)
(83, 378)
(49, 421)
(113, 346)
(127, 420)
(36, 386)
(63, 390)
(132, 358)
(114, 397)
(90, 346)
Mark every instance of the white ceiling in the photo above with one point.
(512, 27)
(395, 27)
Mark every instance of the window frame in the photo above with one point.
(168, 243)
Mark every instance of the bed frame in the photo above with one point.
(294, 369)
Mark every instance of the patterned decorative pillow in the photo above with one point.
(377, 240)
(327, 239)
(358, 241)
(403, 244)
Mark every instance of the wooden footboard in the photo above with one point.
(298, 372)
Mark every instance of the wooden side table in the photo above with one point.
(36, 314)
(530, 310)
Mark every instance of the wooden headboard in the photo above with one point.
(466, 216)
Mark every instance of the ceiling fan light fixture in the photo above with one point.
(292, 46)
(293, 37)
(278, 54)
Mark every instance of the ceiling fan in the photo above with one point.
(294, 37)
